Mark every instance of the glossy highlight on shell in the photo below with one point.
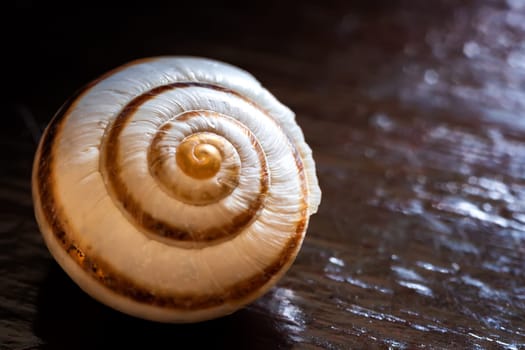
(175, 189)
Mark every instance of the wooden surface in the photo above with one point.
(415, 111)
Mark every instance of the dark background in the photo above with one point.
(415, 111)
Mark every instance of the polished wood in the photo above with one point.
(415, 111)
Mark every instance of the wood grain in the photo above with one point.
(415, 112)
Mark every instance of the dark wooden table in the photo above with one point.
(415, 111)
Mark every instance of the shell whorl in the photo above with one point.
(175, 189)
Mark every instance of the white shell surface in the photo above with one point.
(238, 110)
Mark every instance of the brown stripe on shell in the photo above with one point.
(146, 221)
(103, 272)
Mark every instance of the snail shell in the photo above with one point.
(174, 189)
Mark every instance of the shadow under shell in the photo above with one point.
(69, 318)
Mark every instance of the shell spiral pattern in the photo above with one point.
(175, 189)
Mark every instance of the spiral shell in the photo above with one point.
(174, 189)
